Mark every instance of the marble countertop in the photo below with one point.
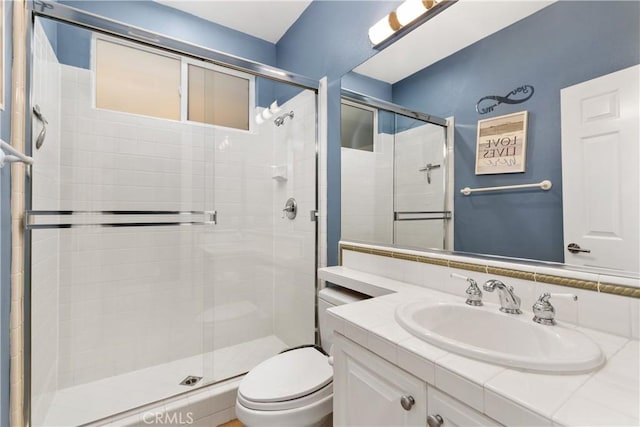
(608, 396)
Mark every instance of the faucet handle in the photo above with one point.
(543, 312)
(474, 294)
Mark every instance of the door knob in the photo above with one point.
(407, 402)
(575, 248)
(435, 421)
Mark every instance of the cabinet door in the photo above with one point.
(368, 390)
(453, 412)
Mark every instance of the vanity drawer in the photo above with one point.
(453, 412)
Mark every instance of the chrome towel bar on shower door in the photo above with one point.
(116, 218)
(421, 215)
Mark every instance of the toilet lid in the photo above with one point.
(287, 376)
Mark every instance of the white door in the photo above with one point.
(369, 391)
(600, 178)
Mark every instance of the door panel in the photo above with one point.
(601, 182)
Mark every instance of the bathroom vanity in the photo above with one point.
(367, 389)
(384, 375)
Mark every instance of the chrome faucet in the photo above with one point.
(509, 302)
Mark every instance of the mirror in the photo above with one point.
(451, 62)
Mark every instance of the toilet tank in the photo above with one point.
(332, 297)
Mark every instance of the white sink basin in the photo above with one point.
(486, 334)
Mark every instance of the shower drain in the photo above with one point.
(191, 380)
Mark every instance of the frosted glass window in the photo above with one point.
(137, 81)
(356, 127)
(218, 98)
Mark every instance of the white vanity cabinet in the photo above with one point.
(370, 391)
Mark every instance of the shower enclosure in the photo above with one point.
(161, 259)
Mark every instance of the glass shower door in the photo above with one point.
(420, 184)
(119, 200)
(260, 261)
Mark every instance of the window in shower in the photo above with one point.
(358, 126)
(148, 82)
(137, 81)
(218, 98)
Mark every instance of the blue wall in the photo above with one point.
(5, 224)
(162, 19)
(368, 86)
(330, 39)
(563, 44)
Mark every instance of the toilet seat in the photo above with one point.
(289, 380)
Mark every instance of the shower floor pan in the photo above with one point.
(88, 402)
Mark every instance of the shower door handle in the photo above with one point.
(428, 168)
(211, 217)
(37, 219)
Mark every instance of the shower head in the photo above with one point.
(279, 121)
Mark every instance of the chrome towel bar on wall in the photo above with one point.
(544, 185)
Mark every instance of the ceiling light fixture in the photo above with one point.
(384, 28)
(405, 18)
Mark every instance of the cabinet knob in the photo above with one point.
(407, 402)
(435, 421)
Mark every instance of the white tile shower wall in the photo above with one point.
(130, 298)
(606, 312)
(367, 192)
(294, 249)
(45, 243)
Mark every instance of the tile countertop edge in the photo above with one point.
(378, 286)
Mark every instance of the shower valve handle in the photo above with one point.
(290, 208)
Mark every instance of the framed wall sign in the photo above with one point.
(502, 144)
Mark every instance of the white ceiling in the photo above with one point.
(265, 19)
(455, 28)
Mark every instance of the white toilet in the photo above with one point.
(294, 388)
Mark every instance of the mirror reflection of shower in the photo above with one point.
(279, 121)
(388, 195)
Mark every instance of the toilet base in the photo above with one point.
(318, 414)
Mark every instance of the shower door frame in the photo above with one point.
(82, 19)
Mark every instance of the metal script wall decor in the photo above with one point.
(526, 90)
